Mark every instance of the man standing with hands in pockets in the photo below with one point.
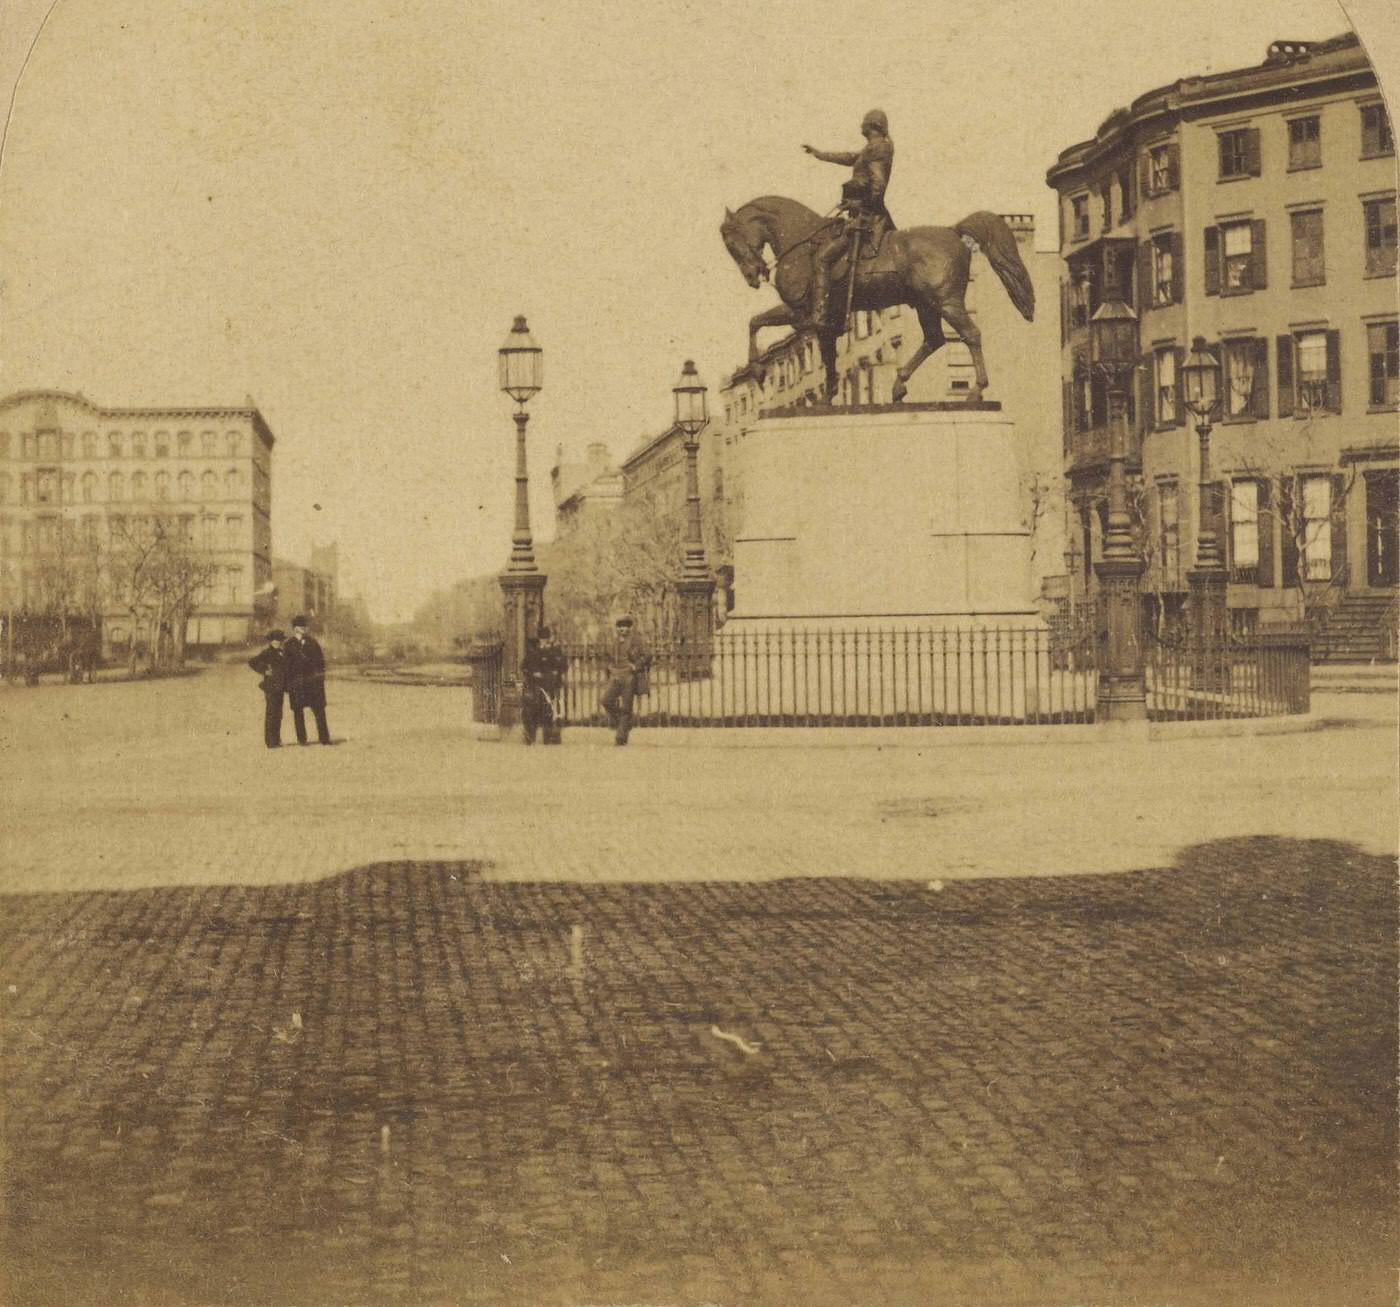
(306, 680)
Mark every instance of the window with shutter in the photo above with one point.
(1164, 400)
(1308, 267)
(1383, 351)
(1163, 271)
(1237, 250)
(1380, 237)
(1244, 529)
(1234, 158)
(1237, 401)
(1376, 138)
(1311, 350)
(1304, 143)
(1317, 528)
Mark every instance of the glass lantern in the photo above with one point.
(691, 410)
(522, 363)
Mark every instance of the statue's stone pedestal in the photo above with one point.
(909, 515)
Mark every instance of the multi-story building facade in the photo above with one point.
(1021, 364)
(583, 489)
(306, 591)
(77, 481)
(1254, 208)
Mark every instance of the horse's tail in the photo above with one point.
(995, 240)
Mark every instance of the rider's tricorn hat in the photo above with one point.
(876, 118)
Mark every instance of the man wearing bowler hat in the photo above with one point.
(306, 680)
(271, 666)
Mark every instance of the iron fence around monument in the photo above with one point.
(982, 676)
(900, 677)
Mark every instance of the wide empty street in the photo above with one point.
(426, 1018)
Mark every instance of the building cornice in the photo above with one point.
(1339, 59)
(639, 454)
(248, 413)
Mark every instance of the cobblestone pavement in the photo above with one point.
(139, 785)
(409, 1085)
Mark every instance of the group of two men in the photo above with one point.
(292, 669)
(542, 673)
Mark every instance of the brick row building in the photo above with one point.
(1254, 208)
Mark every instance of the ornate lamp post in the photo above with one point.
(522, 583)
(696, 586)
(1122, 692)
(1201, 382)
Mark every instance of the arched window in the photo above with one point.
(162, 444)
(89, 444)
(138, 444)
(162, 485)
(116, 487)
(138, 485)
(231, 441)
(185, 482)
(231, 480)
(208, 486)
(206, 443)
(89, 487)
(114, 444)
(183, 441)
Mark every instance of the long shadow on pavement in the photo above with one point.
(408, 1085)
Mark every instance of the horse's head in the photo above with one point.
(744, 241)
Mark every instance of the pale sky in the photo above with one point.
(338, 206)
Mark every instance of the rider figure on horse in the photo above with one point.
(862, 203)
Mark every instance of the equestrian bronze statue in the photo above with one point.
(924, 267)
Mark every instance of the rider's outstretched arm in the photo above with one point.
(845, 158)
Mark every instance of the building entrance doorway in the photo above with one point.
(1383, 526)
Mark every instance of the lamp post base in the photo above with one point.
(523, 593)
(697, 604)
(1122, 691)
(1210, 630)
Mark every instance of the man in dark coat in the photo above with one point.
(306, 681)
(542, 671)
(628, 662)
(271, 666)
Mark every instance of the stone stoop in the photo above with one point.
(1360, 629)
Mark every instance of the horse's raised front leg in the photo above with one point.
(933, 341)
(778, 316)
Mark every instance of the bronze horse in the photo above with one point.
(923, 267)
